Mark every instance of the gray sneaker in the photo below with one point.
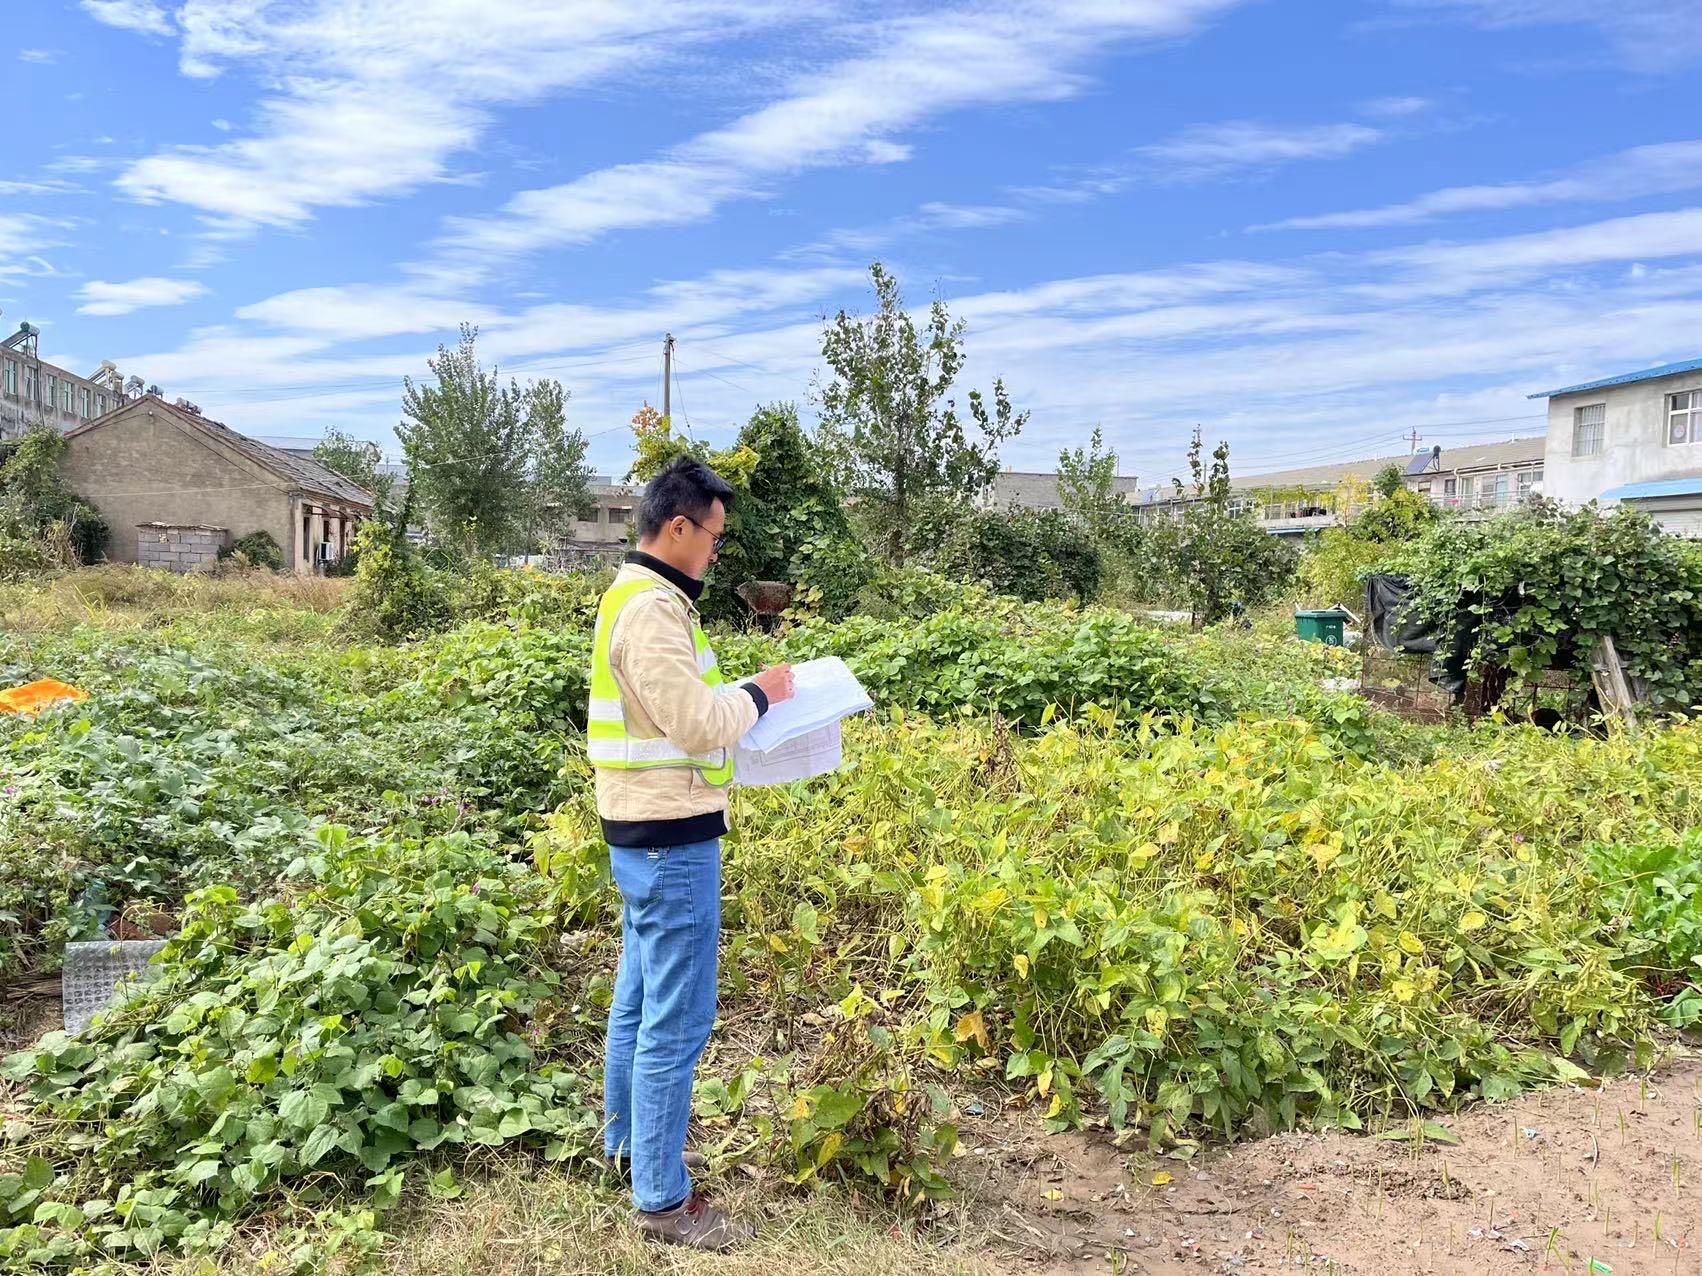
(696, 1224)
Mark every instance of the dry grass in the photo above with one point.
(120, 595)
(526, 1221)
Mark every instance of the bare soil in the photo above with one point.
(1550, 1181)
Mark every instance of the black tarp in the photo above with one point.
(1394, 624)
(1392, 620)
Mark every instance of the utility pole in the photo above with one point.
(668, 375)
(1415, 438)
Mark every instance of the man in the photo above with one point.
(661, 730)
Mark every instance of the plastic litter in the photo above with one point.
(33, 697)
(94, 970)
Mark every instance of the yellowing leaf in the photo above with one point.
(1170, 834)
(1053, 1194)
(1040, 918)
(1144, 852)
(1162, 1177)
(1473, 920)
(1043, 1082)
(1411, 943)
(778, 944)
(800, 1109)
(1020, 961)
(972, 1025)
(831, 1144)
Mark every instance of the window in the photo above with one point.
(1527, 481)
(11, 377)
(1684, 417)
(84, 400)
(306, 533)
(1588, 423)
(618, 515)
(1451, 491)
(67, 397)
(29, 385)
(52, 395)
(100, 405)
(1495, 489)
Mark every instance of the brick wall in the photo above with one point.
(145, 467)
(178, 549)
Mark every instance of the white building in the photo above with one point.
(1479, 478)
(1635, 439)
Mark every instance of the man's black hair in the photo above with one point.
(685, 486)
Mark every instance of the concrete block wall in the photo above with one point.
(179, 549)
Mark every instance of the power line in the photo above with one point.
(730, 359)
(705, 372)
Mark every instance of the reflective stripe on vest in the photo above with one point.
(606, 737)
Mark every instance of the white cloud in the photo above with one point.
(1206, 150)
(373, 99)
(1441, 269)
(38, 186)
(1647, 35)
(102, 298)
(23, 238)
(1632, 174)
(144, 16)
(847, 112)
(46, 56)
(934, 216)
(1395, 107)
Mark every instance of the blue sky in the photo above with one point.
(1308, 227)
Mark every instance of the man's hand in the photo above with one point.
(776, 683)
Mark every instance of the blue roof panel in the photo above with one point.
(1648, 374)
(1689, 486)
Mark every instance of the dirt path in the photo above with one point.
(1546, 1182)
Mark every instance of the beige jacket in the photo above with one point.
(653, 659)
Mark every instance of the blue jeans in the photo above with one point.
(663, 1009)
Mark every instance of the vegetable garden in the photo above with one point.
(1156, 883)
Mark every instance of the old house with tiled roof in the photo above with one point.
(175, 487)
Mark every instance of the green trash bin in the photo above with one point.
(1324, 626)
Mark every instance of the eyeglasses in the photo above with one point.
(720, 539)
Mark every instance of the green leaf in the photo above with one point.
(38, 1173)
(304, 1108)
(834, 1107)
(321, 1141)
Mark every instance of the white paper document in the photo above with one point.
(800, 758)
(824, 691)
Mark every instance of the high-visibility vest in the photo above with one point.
(606, 736)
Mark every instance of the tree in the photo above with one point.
(1088, 492)
(356, 460)
(896, 438)
(1389, 480)
(1220, 558)
(38, 506)
(479, 453)
(561, 480)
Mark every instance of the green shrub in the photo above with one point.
(370, 1015)
(1539, 588)
(1028, 554)
(257, 549)
(1652, 893)
(395, 594)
